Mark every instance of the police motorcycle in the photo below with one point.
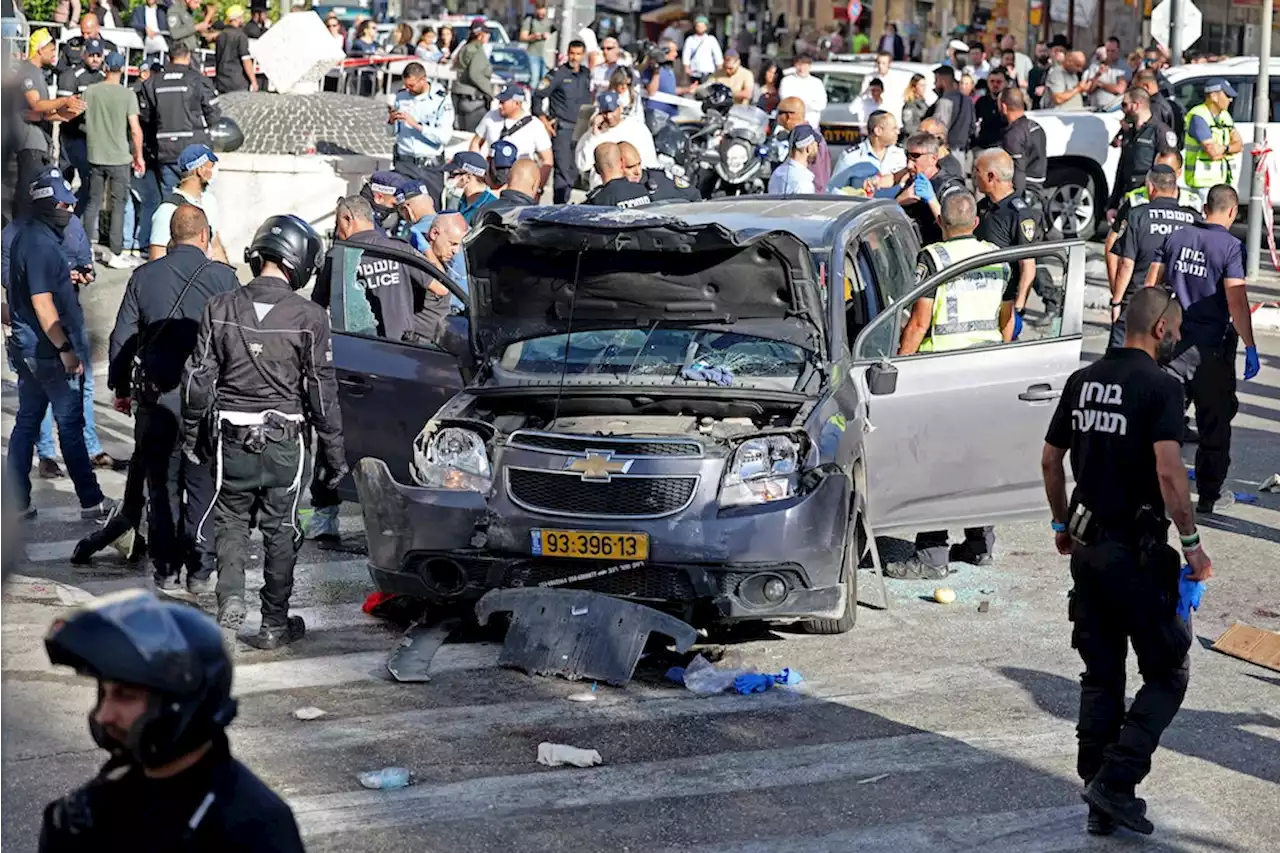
(743, 163)
(672, 144)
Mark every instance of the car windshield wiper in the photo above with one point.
(643, 345)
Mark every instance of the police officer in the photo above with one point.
(1141, 235)
(1026, 144)
(963, 312)
(503, 154)
(926, 185)
(473, 89)
(184, 29)
(380, 191)
(660, 184)
(154, 335)
(74, 146)
(1163, 109)
(71, 53)
(1212, 140)
(176, 107)
(615, 190)
(164, 702)
(1121, 420)
(1138, 197)
(423, 119)
(566, 90)
(521, 189)
(264, 356)
(1203, 264)
(1140, 142)
(1006, 220)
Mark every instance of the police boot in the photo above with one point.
(1122, 808)
(231, 612)
(115, 529)
(273, 637)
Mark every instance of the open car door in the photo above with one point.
(388, 389)
(956, 439)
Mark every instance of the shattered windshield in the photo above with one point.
(660, 355)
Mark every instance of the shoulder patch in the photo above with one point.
(173, 18)
(681, 182)
(1028, 227)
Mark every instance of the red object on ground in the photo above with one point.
(377, 600)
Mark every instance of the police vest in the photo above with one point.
(1186, 198)
(1199, 171)
(966, 309)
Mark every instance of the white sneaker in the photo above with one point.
(120, 262)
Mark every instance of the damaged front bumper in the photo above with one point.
(452, 546)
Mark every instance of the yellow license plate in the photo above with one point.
(589, 544)
(840, 135)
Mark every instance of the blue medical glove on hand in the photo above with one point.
(924, 189)
(1251, 365)
(1189, 594)
(1017, 324)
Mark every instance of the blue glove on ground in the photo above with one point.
(1251, 365)
(752, 682)
(1189, 593)
(924, 189)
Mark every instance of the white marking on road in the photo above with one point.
(700, 776)
(330, 670)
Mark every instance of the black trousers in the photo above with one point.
(1122, 598)
(566, 168)
(180, 530)
(261, 488)
(1208, 374)
(410, 169)
(932, 547)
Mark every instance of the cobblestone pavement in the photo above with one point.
(300, 124)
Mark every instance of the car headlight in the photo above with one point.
(762, 469)
(454, 458)
(736, 157)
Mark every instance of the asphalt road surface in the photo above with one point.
(928, 728)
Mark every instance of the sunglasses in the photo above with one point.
(916, 155)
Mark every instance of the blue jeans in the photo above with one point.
(130, 222)
(147, 189)
(76, 151)
(169, 176)
(45, 447)
(43, 382)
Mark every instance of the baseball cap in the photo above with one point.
(733, 51)
(409, 190)
(1161, 169)
(1219, 85)
(477, 25)
(94, 47)
(510, 93)
(957, 44)
(233, 12)
(469, 162)
(37, 40)
(194, 156)
(503, 154)
(701, 19)
(387, 183)
(51, 184)
(115, 62)
(607, 102)
(804, 136)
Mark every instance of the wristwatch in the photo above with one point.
(1058, 527)
(66, 347)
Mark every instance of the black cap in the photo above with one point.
(1162, 169)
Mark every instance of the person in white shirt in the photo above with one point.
(871, 102)
(879, 149)
(607, 126)
(702, 56)
(1110, 75)
(512, 122)
(1021, 62)
(794, 177)
(807, 88)
(978, 67)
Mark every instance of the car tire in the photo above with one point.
(1068, 187)
(849, 569)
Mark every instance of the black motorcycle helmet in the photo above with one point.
(225, 135)
(719, 98)
(173, 650)
(290, 242)
(673, 142)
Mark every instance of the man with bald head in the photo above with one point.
(1064, 90)
(1006, 220)
(791, 114)
(443, 244)
(522, 186)
(71, 54)
(616, 188)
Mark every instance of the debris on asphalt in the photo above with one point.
(984, 606)
(556, 754)
(704, 679)
(410, 663)
(1271, 484)
(45, 591)
(309, 713)
(1252, 644)
(578, 634)
(386, 779)
(944, 595)
(871, 779)
(752, 682)
(582, 697)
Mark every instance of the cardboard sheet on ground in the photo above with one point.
(1252, 644)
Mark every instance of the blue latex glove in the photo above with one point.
(789, 677)
(1251, 365)
(752, 682)
(924, 189)
(1017, 324)
(1189, 594)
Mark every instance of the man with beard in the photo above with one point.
(71, 140)
(34, 145)
(991, 122)
(380, 191)
(196, 163)
(71, 54)
(164, 702)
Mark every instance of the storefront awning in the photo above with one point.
(665, 15)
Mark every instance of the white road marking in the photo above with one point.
(330, 670)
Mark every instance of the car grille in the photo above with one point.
(619, 497)
(657, 583)
(579, 445)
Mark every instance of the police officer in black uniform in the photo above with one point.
(1026, 144)
(1140, 142)
(1140, 236)
(264, 357)
(71, 51)
(164, 702)
(176, 107)
(1164, 109)
(1006, 220)
(566, 90)
(616, 189)
(73, 145)
(154, 335)
(1121, 420)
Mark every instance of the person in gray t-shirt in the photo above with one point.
(1110, 77)
(1064, 90)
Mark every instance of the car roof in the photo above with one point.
(1234, 67)
(812, 218)
(868, 66)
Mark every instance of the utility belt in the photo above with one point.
(430, 160)
(1145, 531)
(255, 437)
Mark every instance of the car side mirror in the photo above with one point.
(882, 378)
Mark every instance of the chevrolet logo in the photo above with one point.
(597, 466)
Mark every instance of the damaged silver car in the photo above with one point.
(668, 405)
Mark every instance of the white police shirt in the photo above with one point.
(433, 109)
(791, 178)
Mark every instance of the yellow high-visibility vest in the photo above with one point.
(966, 309)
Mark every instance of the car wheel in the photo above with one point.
(849, 569)
(1072, 203)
